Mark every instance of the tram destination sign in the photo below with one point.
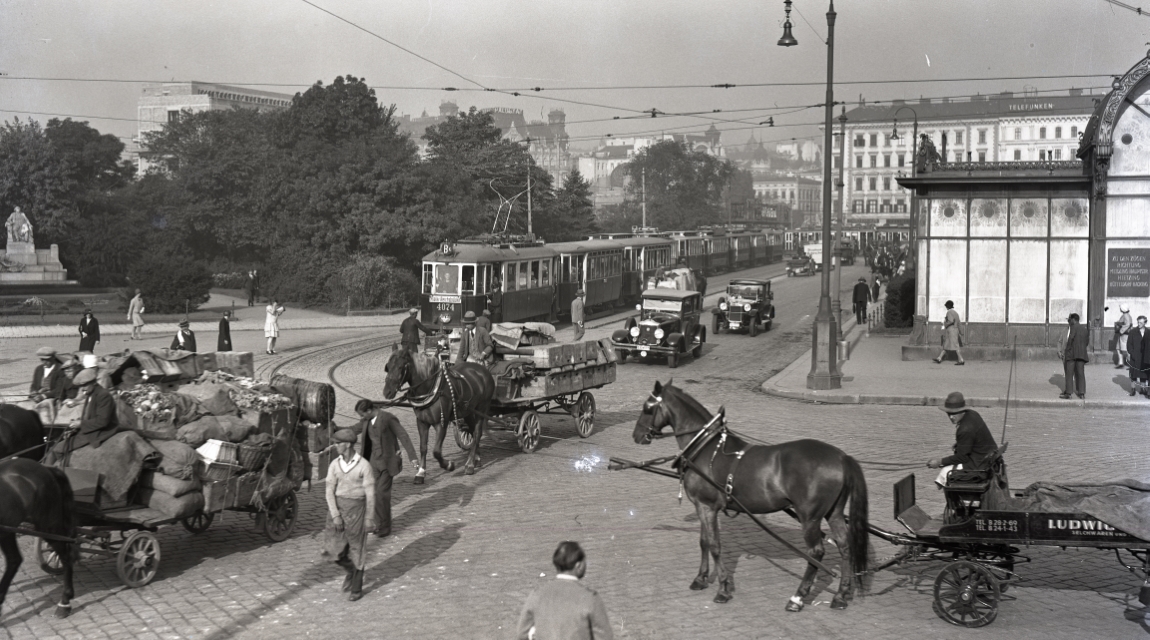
(1128, 273)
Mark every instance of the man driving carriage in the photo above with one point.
(973, 445)
(476, 345)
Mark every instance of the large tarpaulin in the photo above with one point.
(1123, 504)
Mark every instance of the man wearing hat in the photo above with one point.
(1072, 351)
(484, 320)
(861, 297)
(1139, 349)
(1121, 334)
(185, 339)
(97, 420)
(409, 331)
(350, 495)
(89, 332)
(48, 380)
(577, 314)
(476, 345)
(973, 443)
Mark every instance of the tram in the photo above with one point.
(594, 265)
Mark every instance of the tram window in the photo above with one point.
(510, 279)
(468, 280)
(523, 273)
(545, 273)
(534, 274)
(447, 278)
(577, 270)
(484, 279)
(427, 278)
(628, 258)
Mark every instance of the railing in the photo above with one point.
(1021, 165)
(876, 315)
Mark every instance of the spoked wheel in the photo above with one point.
(281, 517)
(48, 558)
(585, 414)
(138, 559)
(966, 594)
(529, 431)
(198, 523)
(463, 437)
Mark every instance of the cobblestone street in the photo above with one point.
(467, 550)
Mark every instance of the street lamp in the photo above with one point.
(824, 372)
(913, 231)
(836, 303)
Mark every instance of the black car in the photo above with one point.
(668, 325)
(747, 304)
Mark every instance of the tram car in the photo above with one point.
(643, 255)
(742, 249)
(693, 249)
(594, 265)
(461, 277)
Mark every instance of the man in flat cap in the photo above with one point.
(409, 331)
(351, 513)
(97, 421)
(973, 443)
(185, 339)
(48, 380)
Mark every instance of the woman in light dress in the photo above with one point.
(272, 324)
(136, 315)
(951, 334)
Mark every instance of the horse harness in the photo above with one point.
(703, 436)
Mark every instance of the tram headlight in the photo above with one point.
(444, 318)
(635, 332)
(659, 334)
(747, 306)
(723, 305)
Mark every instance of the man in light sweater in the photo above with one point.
(350, 491)
(565, 609)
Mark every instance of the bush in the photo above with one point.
(232, 280)
(900, 300)
(374, 281)
(170, 282)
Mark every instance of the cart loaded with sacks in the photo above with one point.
(196, 436)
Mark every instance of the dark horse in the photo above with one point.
(439, 395)
(21, 433)
(809, 477)
(42, 496)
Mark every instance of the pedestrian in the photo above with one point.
(577, 314)
(136, 316)
(876, 288)
(350, 489)
(381, 436)
(1138, 346)
(973, 442)
(951, 334)
(476, 345)
(497, 303)
(565, 609)
(860, 297)
(185, 339)
(48, 380)
(89, 332)
(1121, 331)
(484, 320)
(251, 287)
(255, 286)
(272, 324)
(224, 341)
(409, 331)
(1072, 351)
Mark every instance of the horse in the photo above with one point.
(21, 433)
(811, 479)
(42, 496)
(440, 395)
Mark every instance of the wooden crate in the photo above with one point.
(237, 363)
(229, 494)
(276, 423)
(566, 381)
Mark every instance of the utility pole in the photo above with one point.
(837, 304)
(644, 181)
(529, 235)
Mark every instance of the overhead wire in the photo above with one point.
(1139, 10)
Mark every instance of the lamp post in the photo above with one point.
(824, 372)
(836, 303)
(913, 233)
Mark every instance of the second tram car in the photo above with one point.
(595, 265)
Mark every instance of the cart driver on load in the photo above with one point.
(973, 444)
(476, 345)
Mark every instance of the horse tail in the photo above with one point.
(858, 533)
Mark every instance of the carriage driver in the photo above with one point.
(973, 444)
(476, 345)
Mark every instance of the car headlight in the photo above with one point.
(659, 334)
(723, 305)
(634, 332)
(747, 307)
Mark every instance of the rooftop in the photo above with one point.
(999, 105)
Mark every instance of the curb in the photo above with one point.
(69, 331)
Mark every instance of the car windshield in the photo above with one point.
(743, 292)
(653, 307)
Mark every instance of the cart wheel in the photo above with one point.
(281, 517)
(138, 559)
(529, 430)
(966, 594)
(463, 438)
(753, 329)
(198, 523)
(48, 558)
(585, 414)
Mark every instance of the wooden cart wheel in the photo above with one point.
(138, 559)
(198, 523)
(529, 431)
(966, 594)
(48, 558)
(281, 517)
(463, 437)
(585, 414)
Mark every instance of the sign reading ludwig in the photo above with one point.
(1128, 273)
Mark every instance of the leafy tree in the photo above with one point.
(374, 281)
(684, 187)
(92, 159)
(36, 179)
(170, 283)
(574, 209)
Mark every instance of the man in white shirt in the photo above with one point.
(350, 492)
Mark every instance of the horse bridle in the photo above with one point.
(654, 433)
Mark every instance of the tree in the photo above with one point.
(34, 177)
(684, 187)
(92, 159)
(574, 209)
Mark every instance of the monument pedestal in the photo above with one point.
(23, 263)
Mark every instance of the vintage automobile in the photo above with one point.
(800, 265)
(668, 326)
(747, 304)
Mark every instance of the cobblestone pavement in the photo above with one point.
(467, 550)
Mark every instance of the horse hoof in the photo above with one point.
(468, 471)
(722, 598)
(699, 584)
(838, 603)
(450, 467)
(794, 607)
(63, 612)
(417, 480)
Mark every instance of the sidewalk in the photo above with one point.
(877, 374)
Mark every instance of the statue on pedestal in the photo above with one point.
(928, 157)
(19, 227)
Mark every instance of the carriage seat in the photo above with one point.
(963, 498)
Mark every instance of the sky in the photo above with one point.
(595, 59)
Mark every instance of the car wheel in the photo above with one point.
(714, 324)
(697, 351)
(753, 327)
(621, 355)
(672, 360)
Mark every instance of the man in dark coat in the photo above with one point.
(381, 437)
(409, 331)
(224, 342)
(185, 339)
(476, 345)
(1138, 346)
(860, 297)
(89, 332)
(98, 419)
(497, 304)
(48, 379)
(1073, 349)
(973, 443)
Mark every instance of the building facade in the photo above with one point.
(803, 195)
